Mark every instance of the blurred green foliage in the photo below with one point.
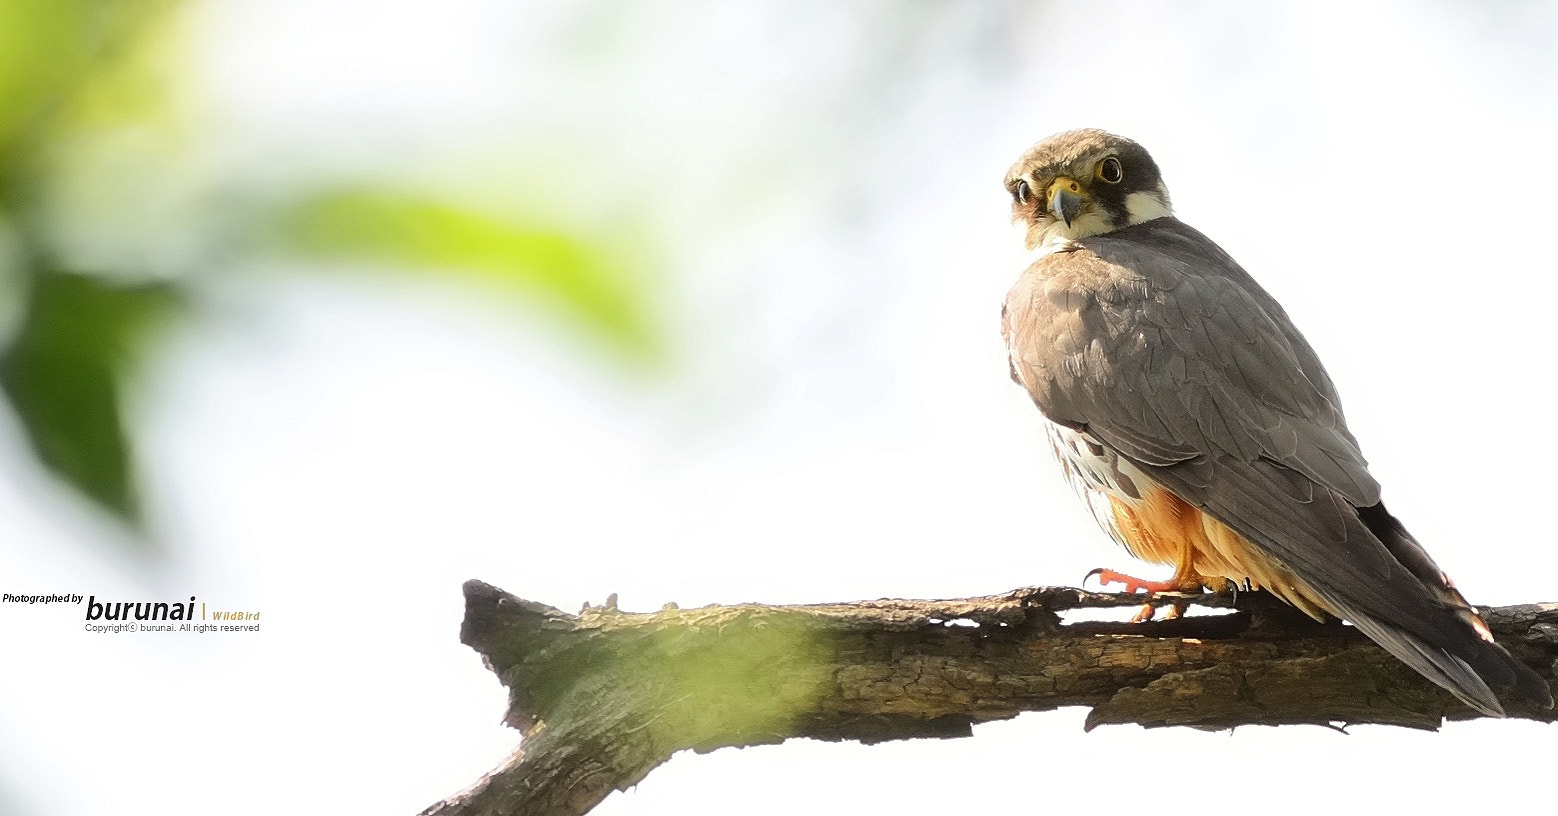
(403, 229)
(62, 373)
(76, 332)
(73, 340)
(49, 50)
(41, 51)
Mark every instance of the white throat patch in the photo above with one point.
(1139, 208)
(1143, 207)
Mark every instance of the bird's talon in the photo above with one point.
(1109, 576)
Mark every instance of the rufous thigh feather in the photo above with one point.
(1165, 529)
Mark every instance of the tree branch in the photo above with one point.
(605, 696)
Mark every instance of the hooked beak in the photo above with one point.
(1066, 197)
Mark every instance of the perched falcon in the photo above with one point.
(1200, 426)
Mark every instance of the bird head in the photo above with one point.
(1082, 183)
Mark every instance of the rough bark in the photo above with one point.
(605, 696)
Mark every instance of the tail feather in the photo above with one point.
(1457, 651)
(1446, 670)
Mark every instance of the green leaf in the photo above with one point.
(51, 50)
(80, 340)
(42, 48)
(600, 291)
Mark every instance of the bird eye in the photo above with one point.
(1023, 193)
(1110, 170)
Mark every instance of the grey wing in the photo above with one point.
(1179, 367)
(1170, 358)
(1166, 350)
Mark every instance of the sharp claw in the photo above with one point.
(1130, 584)
(1109, 576)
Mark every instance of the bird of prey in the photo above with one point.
(1200, 426)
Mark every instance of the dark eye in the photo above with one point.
(1110, 170)
(1023, 193)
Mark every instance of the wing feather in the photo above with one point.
(1226, 365)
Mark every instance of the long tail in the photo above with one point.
(1456, 651)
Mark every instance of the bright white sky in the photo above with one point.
(837, 422)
